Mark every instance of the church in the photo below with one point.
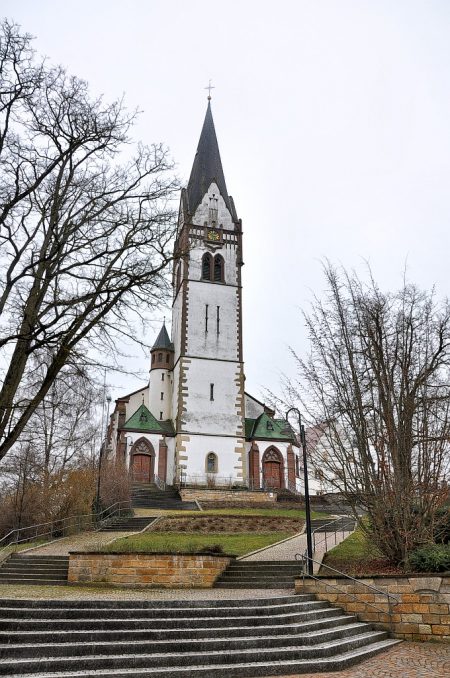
(195, 424)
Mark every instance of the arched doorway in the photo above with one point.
(273, 471)
(142, 461)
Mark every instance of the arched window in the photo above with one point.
(206, 266)
(218, 268)
(211, 463)
(178, 276)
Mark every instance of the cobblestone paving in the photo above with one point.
(406, 660)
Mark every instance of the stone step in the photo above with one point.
(31, 581)
(155, 613)
(249, 669)
(271, 584)
(170, 659)
(6, 573)
(171, 639)
(85, 623)
(63, 637)
(273, 602)
(132, 646)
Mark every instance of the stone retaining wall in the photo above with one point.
(151, 570)
(230, 496)
(422, 611)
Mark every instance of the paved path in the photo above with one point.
(77, 542)
(291, 547)
(406, 660)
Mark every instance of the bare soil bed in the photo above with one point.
(205, 524)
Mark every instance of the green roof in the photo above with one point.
(265, 427)
(143, 420)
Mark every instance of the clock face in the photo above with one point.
(213, 235)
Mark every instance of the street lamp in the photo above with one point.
(103, 446)
(301, 428)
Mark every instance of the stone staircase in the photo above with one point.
(148, 495)
(259, 574)
(128, 524)
(39, 570)
(168, 639)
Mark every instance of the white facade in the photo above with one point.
(196, 405)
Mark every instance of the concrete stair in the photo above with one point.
(259, 574)
(346, 524)
(220, 638)
(128, 524)
(148, 495)
(35, 569)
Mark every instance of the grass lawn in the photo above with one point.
(357, 556)
(182, 542)
(15, 548)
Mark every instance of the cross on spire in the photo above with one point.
(209, 88)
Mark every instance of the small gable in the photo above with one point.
(143, 420)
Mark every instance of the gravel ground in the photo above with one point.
(103, 593)
(406, 660)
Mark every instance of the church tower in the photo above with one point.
(208, 377)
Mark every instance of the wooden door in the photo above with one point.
(272, 474)
(142, 468)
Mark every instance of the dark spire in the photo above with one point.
(163, 340)
(207, 166)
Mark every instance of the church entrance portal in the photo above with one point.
(142, 460)
(273, 469)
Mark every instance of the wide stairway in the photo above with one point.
(259, 574)
(128, 524)
(148, 495)
(196, 639)
(39, 570)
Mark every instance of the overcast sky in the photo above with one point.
(333, 124)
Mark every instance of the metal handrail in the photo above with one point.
(340, 520)
(13, 537)
(304, 559)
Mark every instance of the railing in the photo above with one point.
(334, 526)
(61, 527)
(305, 560)
(160, 483)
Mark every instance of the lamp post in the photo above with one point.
(103, 445)
(309, 548)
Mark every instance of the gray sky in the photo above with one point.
(333, 124)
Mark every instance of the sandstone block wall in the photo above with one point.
(210, 495)
(421, 613)
(152, 570)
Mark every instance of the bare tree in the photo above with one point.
(377, 386)
(84, 240)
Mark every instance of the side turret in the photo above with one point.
(160, 392)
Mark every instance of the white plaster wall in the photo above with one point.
(229, 253)
(198, 447)
(211, 344)
(158, 386)
(220, 415)
(202, 212)
(170, 472)
(136, 401)
(253, 409)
